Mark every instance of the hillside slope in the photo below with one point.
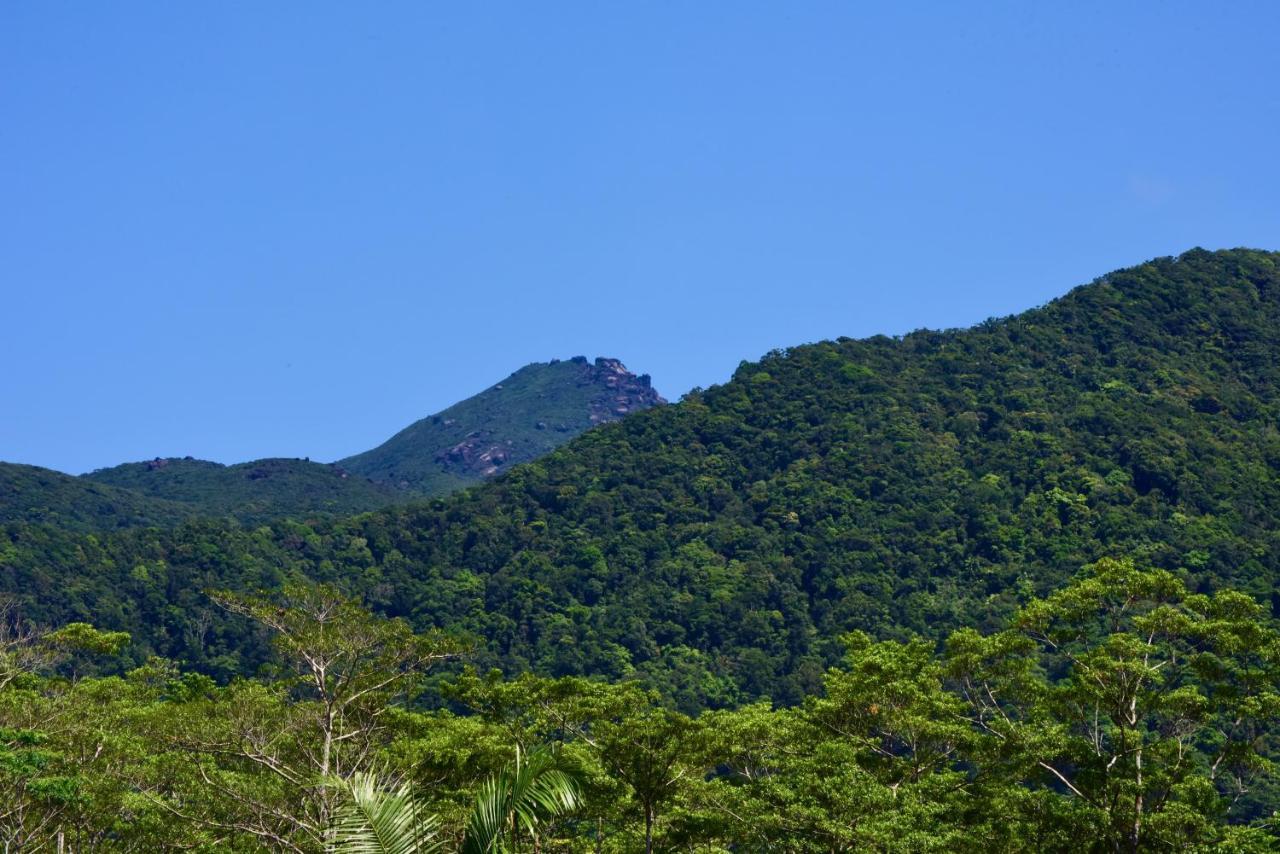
(43, 496)
(533, 411)
(252, 492)
(719, 547)
(530, 413)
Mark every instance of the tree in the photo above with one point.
(267, 754)
(875, 763)
(1142, 702)
(21, 644)
(637, 753)
(649, 751)
(349, 662)
(518, 800)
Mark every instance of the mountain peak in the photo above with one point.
(528, 414)
(524, 416)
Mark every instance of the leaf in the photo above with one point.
(524, 794)
(374, 820)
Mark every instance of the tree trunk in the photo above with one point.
(1136, 838)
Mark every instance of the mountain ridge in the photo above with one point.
(529, 413)
(719, 547)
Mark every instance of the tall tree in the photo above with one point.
(1155, 708)
(267, 753)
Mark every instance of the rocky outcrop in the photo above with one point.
(525, 416)
(621, 392)
(613, 392)
(477, 452)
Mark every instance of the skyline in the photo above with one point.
(670, 397)
(259, 232)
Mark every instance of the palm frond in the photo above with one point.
(375, 820)
(521, 796)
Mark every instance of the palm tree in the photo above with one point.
(524, 794)
(374, 820)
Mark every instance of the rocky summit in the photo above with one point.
(526, 415)
(530, 413)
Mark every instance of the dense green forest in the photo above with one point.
(717, 549)
(530, 413)
(253, 492)
(166, 492)
(835, 604)
(1121, 713)
(40, 496)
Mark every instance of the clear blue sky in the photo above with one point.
(242, 230)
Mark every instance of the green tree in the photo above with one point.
(517, 801)
(1144, 704)
(266, 753)
(649, 751)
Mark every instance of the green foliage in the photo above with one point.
(1120, 713)
(32, 495)
(718, 548)
(1158, 707)
(517, 801)
(254, 492)
(373, 820)
(84, 638)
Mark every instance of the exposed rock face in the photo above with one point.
(621, 393)
(617, 393)
(477, 452)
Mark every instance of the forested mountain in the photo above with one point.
(252, 492)
(719, 547)
(531, 412)
(884, 537)
(41, 496)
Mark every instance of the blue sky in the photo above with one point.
(289, 229)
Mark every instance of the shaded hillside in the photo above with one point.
(719, 547)
(252, 492)
(536, 409)
(41, 496)
(530, 413)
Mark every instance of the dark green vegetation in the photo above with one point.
(1121, 714)
(536, 409)
(39, 496)
(878, 536)
(718, 548)
(253, 492)
(529, 414)
(165, 492)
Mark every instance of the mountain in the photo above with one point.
(531, 412)
(60, 501)
(165, 492)
(718, 548)
(252, 492)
